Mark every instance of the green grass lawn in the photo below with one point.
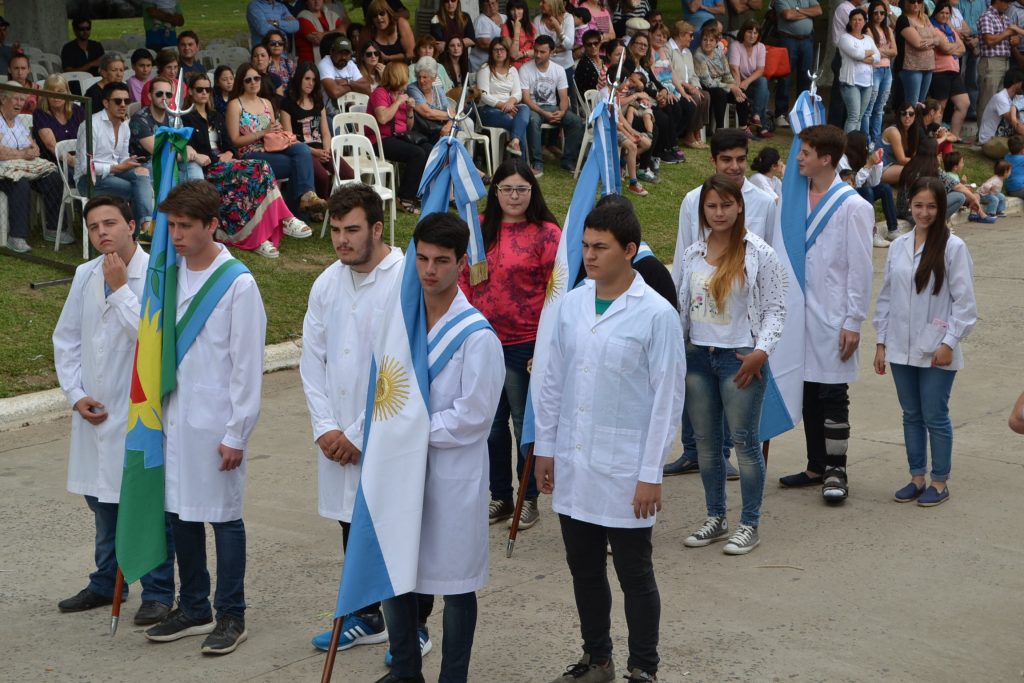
(28, 316)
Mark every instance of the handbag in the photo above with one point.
(278, 141)
(776, 62)
(413, 137)
(429, 128)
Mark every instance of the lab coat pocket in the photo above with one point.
(622, 353)
(455, 464)
(616, 452)
(208, 409)
(931, 336)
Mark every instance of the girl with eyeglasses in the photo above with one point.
(916, 42)
(253, 214)
(521, 240)
(501, 96)
(926, 308)
(518, 29)
(881, 75)
(281, 64)
(392, 33)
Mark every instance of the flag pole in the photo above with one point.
(514, 529)
(764, 450)
(115, 607)
(332, 650)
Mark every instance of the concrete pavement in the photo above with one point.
(869, 591)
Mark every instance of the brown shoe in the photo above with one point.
(311, 203)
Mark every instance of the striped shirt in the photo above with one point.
(993, 23)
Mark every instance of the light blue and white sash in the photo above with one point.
(826, 208)
(443, 345)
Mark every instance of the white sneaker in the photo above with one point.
(781, 121)
(18, 245)
(743, 541)
(880, 242)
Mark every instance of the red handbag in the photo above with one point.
(776, 62)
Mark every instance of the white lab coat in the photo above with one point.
(217, 400)
(342, 322)
(912, 325)
(463, 399)
(837, 289)
(93, 349)
(610, 401)
(759, 207)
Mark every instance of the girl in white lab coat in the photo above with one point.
(732, 301)
(925, 309)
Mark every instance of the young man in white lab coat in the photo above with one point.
(208, 420)
(837, 291)
(464, 394)
(93, 348)
(729, 157)
(609, 407)
(341, 325)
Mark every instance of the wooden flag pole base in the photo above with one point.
(332, 650)
(115, 607)
(520, 499)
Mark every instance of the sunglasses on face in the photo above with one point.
(275, 43)
(252, 79)
(592, 43)
(162, 93)
(201, 88)
(907, 113)
(371, 53)
(119, 101)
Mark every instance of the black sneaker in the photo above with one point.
(85, 599)
(228, 635)
(392, 678)
(151, 612)
(177, 625)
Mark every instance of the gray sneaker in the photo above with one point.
(743, 541)
(18, 245)
(500, 510)
(585, 672)
(528, 516)
(714, 529)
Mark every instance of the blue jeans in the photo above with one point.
(690, 441)
(571, 125)
(915, 85)
(402, 616)
(512, 403)
(856, 98)
(871, 122)
(954, 200)
(800, 55)
(993, 203)
(294, 163)
(757, 92)
(495, 118)
(924, 397)
(129, 185)
(713, 394)
(157, 586)
(190, 543)
(882, 191)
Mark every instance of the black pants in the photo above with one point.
(587, 557)
(826, 403)
(415, 159)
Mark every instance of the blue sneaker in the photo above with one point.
(425, 646)
(356, 630)
(931, 497)
(976, 218)
(908, 493)
(681, 466)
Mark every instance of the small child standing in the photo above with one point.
(1015, 182)
(991, 191)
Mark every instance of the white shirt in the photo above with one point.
(710, 325)
(93, 350)
(495, 88)
(837, 289)
(217, 400)
(543, 86)
(463, 399)
(994, 110)
(913, 324)
(483, 27)
(840, 18)
(338, 333)
(328, 71)
(564, 38)
(852, 70)
(769, 184)
(106, 151)
(16, 136)
(610, 401)
(759, 208)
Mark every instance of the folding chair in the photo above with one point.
(497, 137)
(71, 195)
(353, 102)
(356, 123)
(363, 160)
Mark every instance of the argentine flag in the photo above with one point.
(601, 166)
(783, 399)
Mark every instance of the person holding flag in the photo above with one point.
(338, 334)
(209, 417)
(466, 382)
(836, 276)
(606, 414)
(92, 345)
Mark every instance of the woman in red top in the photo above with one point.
(521, 240)
(519, 30)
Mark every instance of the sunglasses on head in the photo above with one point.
(275, 43)
(162, 93)
(252, 79)
(120, 101)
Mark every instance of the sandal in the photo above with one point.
(293, 227)
(514, 151)
(268, 250)
(409, 206)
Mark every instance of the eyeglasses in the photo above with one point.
(252, 79)
(514, 190)
(201, 88)
(119, 101)
(162, 93)
(592, 43)
(910, 113)
(275, 43)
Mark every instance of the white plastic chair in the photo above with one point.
(590, 100)
(356, 123)
(38, 71)
(363, 160)
(220, 43)
(71, 195)
(497, 136)
(133, 107)
(351, 100)
(49, 61)
(87, 83)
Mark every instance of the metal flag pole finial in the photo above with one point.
(177, 112)
(816, 74)
(614, 86)
(459, 114)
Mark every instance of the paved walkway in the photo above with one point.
(870, 591)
